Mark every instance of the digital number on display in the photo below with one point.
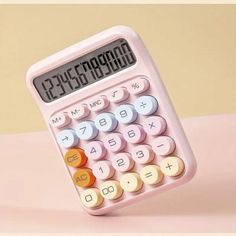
(94, 66)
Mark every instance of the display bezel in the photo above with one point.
(93, 53)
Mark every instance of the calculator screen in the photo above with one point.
(85, 70)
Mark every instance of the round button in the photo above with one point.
(137, 86)
(103, 170)
(60, 120)
(134, 133)
(151, 174)
(98, 103)
(95, 150)
(86, 130)
(114, 142)
(131, 182)
(118, 95)
(154, 125)
(84, 178)
(172, 166)
(126, 114)
(78, 112)
(75, 157)
(122, 162)
(91, 198)
(106, 122)
(146, 105)
(67, 138)
(163, 145)
(142, 154)
(111, 189)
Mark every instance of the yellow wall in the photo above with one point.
(193, 46)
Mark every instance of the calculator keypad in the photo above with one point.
(116, 143)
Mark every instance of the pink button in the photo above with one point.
(154, 125)
(98, 103)
(122, 162)
(114, 142)
(117, 95)
(60, 120)
(134, 133)
(95, 150)
(142, 154)
(163, 145)
(103, 170)
(78, 111)
(137, 86)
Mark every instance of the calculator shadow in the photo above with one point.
(194, 198)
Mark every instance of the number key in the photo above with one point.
(103, 170)
(95, 150)
(114, 142)
(126, 114)
(122, 162)
(106, 122)
(111, 189)
(91, 198)
(134, 134)
(86, 130)
(142, 154)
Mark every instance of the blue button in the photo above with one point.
(67, 138)
(106, 122)
(86, 130)
(146, 105)
(126, 114)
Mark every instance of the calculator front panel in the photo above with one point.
(143, 71)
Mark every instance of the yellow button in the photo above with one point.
(151, 174)
(91, 198)
(84, 178)
(131, 182)
(111, 189)
(75, 157)
(172, 166)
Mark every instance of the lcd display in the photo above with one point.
(83, 71)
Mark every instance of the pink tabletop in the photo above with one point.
(37, 196)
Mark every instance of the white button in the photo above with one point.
(146, 105)
(67, 138)
(78, 111)
(151, 174)
(60, 120)
(86, 130)
(98, 103)
(172, 166)
(111, 189)
(91, 198)
(163, 145)
(106, 122)
(117, 95)
(122, 162)
(131, 182)
(126, 114)
(137, 86)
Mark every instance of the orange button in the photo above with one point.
(84, 178)
(75, 157)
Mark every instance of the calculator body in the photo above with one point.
(143, 69)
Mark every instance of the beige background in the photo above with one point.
(193, 46)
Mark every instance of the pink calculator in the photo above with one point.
(112, 121)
